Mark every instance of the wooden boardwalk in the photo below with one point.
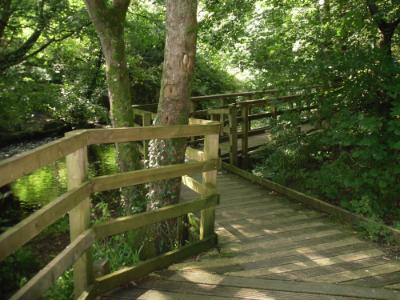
(273, 248)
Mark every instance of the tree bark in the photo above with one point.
(5, 14)
(173, 109)
(386, 28)
(108, 20)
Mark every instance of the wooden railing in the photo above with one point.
(235, 112)
(236, 118)
(76, 202)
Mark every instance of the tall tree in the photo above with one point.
(108, 19)
(386, 27)
(173, 107)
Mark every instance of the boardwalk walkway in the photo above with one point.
(273, 248)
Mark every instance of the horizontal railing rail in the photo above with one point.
(236, 118)
(76, 203)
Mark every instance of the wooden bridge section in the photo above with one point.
(271, 247)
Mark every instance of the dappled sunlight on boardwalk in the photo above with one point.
(272, 248)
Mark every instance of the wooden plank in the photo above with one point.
(199, 276)
(140, 111)
(272, 255)
(340, 267)
(147, 117)
(36, 287)
(79, 217)
(132, 222)
(154, 294)
(121, 135)
(195, 185)
(324, 261)
(230, 95)
(126, 275)
(217, 111)
(195, 121)
(289, 243)
(313, 202)
(245, 134)
(207, 216)
(20, 165)
(233, 135)
(357, 274)
(194, 154)
(109, 182)
(231, 292)
(31, 226)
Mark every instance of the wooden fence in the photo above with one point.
(76, 202)
(237, 117)
(237, 111)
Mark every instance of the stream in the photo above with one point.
(30, 192)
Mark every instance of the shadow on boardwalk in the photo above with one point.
(273, 248)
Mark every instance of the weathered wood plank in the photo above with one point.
(36, 287)
(198, 276)
(207, 216)
(79, 217)
(31, 226)
(195, 185)
(153, 294)
(233, 135)
(309, 264)
(357, 274)
(109, 182)
(313, 202)
(126, 275)
(230, 95)
(121, 135)
(187, 287)
(194, 154)
(20, 165)
(124, 224)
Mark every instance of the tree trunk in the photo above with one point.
(386, 29)
(109, 21)
(173, 109)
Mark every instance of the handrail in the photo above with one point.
(74, 145)
(31, 226)
(20, 165)
(229, 95)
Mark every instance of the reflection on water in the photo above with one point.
(45, 184)
(42, 186)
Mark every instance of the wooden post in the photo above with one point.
(233, 158)
(207, 219)
(146, 122)
(79, 218)
(275, 111)
(245, 134)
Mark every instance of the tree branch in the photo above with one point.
(16, 56)
(374, 11)
(5, 14)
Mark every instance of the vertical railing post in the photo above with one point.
(207, 219)
(79, 218)
(233, 155)
(146, 122)
(245, 134)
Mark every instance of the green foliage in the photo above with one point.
(16, 269)
(116, 249)
(63, 289)
(353, 159)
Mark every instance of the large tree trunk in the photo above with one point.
(109, 22)
(385, 27)
(173, 109)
